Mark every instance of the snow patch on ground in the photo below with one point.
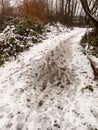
(42, 89)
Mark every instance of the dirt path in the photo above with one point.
(44, 92)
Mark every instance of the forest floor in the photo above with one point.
(50, 87)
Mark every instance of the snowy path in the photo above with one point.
(42, 89)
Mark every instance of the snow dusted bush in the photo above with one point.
(16, 39)
(92, 39)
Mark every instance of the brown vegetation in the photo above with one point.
(35, 9)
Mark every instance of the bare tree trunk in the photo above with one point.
(88, 12)
(62, 10)
(3, 6)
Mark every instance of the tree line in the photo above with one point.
(70, 12)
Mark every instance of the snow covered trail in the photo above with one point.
(42, 89)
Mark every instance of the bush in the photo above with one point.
(34, 9)
(92, 39)
(19, 38)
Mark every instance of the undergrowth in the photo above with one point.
(18, 38)
(92, 39)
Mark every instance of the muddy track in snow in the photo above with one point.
(54, 67)
(44, 92)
